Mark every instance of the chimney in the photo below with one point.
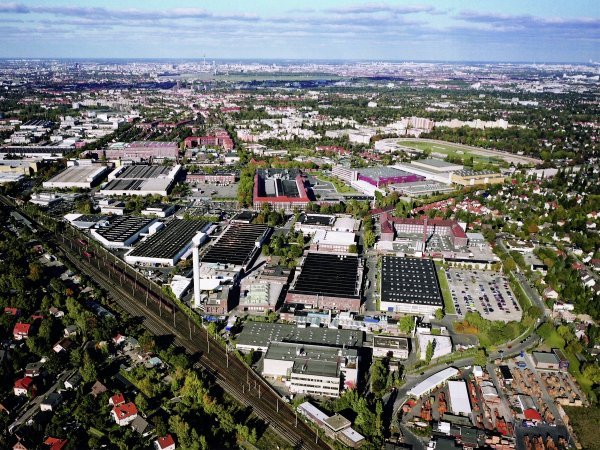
(196, 260)
(425, 233)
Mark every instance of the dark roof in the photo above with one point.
(123, 227)
(328, 274)
(316, 219)
(409, 280)
(169, 241)
(143, 171)
(505, 372)
(237, 244)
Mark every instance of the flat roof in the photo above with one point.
(237, 244)
(260, 334)
(459, 397)
(337, 422)
(123, 227)
(78, 174)
(329, 274)
(316, 367)
(316, 219)
(328, 237)
(290, 351)
(143, 171)
(382, 172)
(170, 240)
(433, 381)
(391, 342)
(438, 163)
(409, 280)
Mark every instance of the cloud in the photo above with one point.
(509, 21)
(373, 8)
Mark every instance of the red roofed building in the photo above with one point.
(11, 311)
(280, 188)
(533, 415)
(24, 386)
(165, 443)
(390, 226)
(332, 149)
(116, 400)
(124, 414)
(21, 331)
(55, 443)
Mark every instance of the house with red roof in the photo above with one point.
(165, 443)
(116, 400)
(21, 331)
(124, 414)
(55, 443)
(532, 415)
(24, 386)
(12, 311)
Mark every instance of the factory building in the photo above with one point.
(122, 232)
(83, 174)
(280, 188)
(141, 180)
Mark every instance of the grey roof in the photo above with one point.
(123, 227)
(169, 241)
(260, 334)
(391, 342)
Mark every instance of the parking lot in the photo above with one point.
(485, 292)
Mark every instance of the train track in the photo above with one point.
(139, 297)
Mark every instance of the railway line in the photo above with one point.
(141, 297)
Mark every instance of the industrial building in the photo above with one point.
(217, 177)
(333, 241)
(336, 426)
(435, 380)
(122, 232)
(409, 285)
(83, 174)
(328, 281)
(141, 180)
(310, 223)
(468, 177)
(385, 346)
(312, 369)
(142, 151)
(437, 165)
(261, 293)
(423, 226)
(166, 246)
(86, 221)
(459, 398)
(420, 188)
(280, 188)
(238, 245)
(545, 361)
(258, 335)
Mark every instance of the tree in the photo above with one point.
(439, 314)
(430, 350)
(141, 402)
(88, 370)
(378, 377)
(406, 324)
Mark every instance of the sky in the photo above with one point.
(441, 30)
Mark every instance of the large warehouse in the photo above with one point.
(459, 398)
(328, 281)
(79, 174)
(238, 245)
(141, 180)
(409, 285)
(167, 246)
(122, 232)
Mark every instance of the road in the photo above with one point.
(134, 295)
(34, 404)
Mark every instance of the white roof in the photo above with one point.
(308, 408)
(459, 397)
(347, 223)
(353, 435)
(334, 237)
(433, 381)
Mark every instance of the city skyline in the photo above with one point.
(444, 30)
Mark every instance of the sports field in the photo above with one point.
(453, 150)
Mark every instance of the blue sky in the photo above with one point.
(482, 30)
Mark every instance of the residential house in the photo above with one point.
(165, 443)
(98, 389)
(116, 400)
(63, 345)
(24, 386)
(73, 381)
(51, 401)
(55, 443)
(141, 426)
(70, 330)
(124, 414)
(21, 331)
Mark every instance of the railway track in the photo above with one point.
(138, 297)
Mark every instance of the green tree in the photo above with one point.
(88, 370)
(406, 324)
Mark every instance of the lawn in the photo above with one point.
(448, 303)
(340, 186)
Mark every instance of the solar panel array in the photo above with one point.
(409, 280)
(328, 274)
(123, 227)
(236, 245)
(169, 241)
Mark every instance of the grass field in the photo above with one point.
(452, 150)
(448, 303)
